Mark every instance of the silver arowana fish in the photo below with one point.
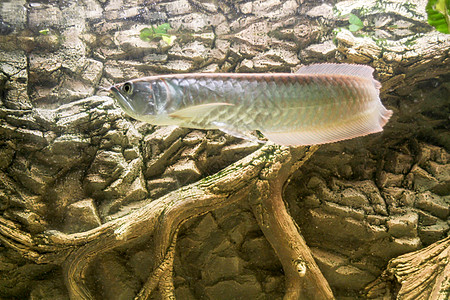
(319, 104)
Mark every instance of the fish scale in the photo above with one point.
(321, 103)
(272, 95)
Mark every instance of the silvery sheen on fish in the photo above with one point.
(319, 104)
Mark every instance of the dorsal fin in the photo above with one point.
(340, 69)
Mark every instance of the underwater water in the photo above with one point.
(81, 182)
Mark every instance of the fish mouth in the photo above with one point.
(121, 100)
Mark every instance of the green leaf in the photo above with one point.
(354, 20)
(169, 39)
(354, 27)
(147, 34)
(44, 31)
(162, 28)
(439, 15)
(440, 6)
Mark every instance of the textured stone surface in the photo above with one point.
(114, 278)
(33, 222)
(379, 218)
(430, 234)
(47, 290)
(438, 206)
(241, 288)
(63, 156)
(81, 216)
(326, 49)
(219, 268)
(259, 253)
(323, 10)
(403, 225)
(13, 65)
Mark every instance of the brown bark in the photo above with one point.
(162, 217)
(266, 38)
(423, 274)
(303, 277)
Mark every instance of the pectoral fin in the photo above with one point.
(197, 110)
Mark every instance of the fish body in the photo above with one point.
(319, 104)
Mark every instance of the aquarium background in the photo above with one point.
(70, 160)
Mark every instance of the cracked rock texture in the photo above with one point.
(70, 160)
(357, 222)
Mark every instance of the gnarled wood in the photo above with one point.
(423, 274)
(163, 217)
(248, 36)
(303, 277)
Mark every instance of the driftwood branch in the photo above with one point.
(303, 277)
(234, 37)
(259, 177)
(423, 274)
(162, 275)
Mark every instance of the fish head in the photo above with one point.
(136, 98)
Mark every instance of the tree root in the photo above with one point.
(423, 274)
(258, 178)
(161, 276)
(303, 277)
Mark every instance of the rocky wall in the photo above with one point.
(70, 160)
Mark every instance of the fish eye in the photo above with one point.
(127, 88)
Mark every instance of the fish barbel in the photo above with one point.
(319, 104)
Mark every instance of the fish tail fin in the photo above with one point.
(385, 115)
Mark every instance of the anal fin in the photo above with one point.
(356, 128)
